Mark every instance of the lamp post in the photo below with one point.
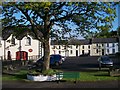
(4, 50)
(118, 32)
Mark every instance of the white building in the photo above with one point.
(98, 46)
(32, 46)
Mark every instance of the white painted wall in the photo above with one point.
(59, 49)
(110, 48)
(13, 49)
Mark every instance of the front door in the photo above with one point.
(102, 51)
(76, 52)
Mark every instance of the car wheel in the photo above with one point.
(57, 64)
(99, 67)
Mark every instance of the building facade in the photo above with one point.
(12, 45)
(98, 46)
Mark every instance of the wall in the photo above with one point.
(14, 48)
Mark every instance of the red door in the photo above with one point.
(21, 55)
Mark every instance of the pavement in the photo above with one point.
(62, 84)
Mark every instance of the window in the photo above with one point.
(82, 51)
(0, 43)
(83, 47)
(59, 47)
(113, 50)
(89, 51)
(113, 45)
(53, 47)
(28, 41)
(71, 52)
(97, 50)
(70, 46)
(102, 45)
(97, 45)
(76, 46)
(13, 41)
(107, 44)
(89, 46)
(59, 52)
(65, 47)
(107, 50)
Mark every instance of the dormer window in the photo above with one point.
(0, 42)
(113, 45)
(13, 41)
(83, 47)
(28, 41)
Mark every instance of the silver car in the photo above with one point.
(105, 61)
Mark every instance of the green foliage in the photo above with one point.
(83, 16)
(45, 72)
(118, 30)
(49, 72)
(34, 73)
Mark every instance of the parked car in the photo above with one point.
(105, 61)
(55, 59)
(63, 58)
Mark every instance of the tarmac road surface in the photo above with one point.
(23, 84)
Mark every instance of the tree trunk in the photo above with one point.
(46, 63)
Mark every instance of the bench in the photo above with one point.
(68, 75)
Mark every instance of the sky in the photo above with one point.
(115, 22)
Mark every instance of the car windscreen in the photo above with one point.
(105, 58)
(56, 57)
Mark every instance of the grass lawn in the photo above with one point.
(96, 76)
(21, 75)
(84, 76)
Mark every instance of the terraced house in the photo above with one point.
(9, 46)
(92, 47)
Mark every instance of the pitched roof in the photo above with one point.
(86, 41)
(104, 40)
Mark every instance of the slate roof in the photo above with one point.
(104, 40)
(86, 42)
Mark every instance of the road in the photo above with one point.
(99, 84)
(84, 64)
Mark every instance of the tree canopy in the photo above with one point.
(68, 18)
(61, 20)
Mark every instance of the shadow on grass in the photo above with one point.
(16, 76)
(102, 75)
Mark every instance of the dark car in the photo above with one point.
(55, 59)
(105, 61)
(63, 58)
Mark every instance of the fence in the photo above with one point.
(34, 57)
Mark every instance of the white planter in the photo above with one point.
(42, 78)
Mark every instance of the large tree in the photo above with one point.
(61, 19)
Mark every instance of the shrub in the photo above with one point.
(34, 73)
(49, 72)
(46, 72)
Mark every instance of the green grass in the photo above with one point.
(94, 76)
(84, 76)
(21, 75)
